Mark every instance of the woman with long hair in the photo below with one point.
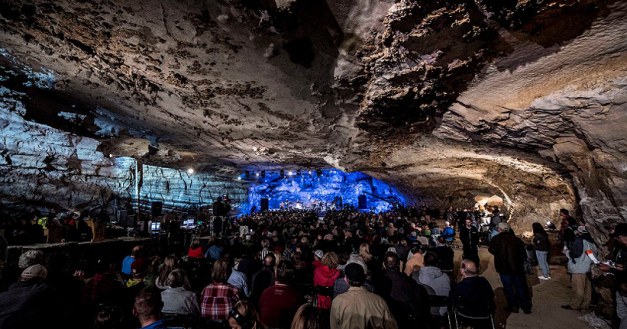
(169, 264)
(323, 279)
(243, 316)
(542, 247)
(364, 252)
(309, 317)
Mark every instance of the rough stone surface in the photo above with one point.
(444, 99)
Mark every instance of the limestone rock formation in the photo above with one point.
(444, 99)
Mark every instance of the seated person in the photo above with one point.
(473, 295)
(147, 308)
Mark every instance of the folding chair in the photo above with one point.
(441, 301)
(475, 316)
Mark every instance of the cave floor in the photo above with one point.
(548, 296)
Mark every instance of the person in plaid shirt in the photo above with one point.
(219, 296)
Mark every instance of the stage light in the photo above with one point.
(290, 173)
(310, 172)
(190, 171)
(239, 177)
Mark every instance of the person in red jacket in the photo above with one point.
(195, 250)
(324, 277)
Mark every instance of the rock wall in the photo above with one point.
(444, 99)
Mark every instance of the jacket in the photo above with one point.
(325, 277)
(582, 263)
(437, 280)
(359, 309)
(509, 254)
(541, 243)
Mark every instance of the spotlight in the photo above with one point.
(310, 172)
(239, 177)
(256, 174)
(290, 173)
(190, 171)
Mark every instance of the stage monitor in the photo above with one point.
(155, 227)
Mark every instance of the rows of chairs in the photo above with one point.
(461, 316)
(458, 316)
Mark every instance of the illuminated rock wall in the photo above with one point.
(324, 189)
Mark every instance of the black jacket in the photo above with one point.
(509, 254)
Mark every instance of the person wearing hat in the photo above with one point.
(616, 266)
(31, 302)
(509, 261)
(579, 266)
(318, 254)
(358, 308)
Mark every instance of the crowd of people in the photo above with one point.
(297, 269)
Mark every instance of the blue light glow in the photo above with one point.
(327, 189)
(323, 189)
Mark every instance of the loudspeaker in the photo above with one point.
(361, 201)
(264, 204)
(156, 208)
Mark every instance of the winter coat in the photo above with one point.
(581, 263)
(324, 277)
(509, 254)
(541, 242)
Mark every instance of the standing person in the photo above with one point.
(509, 260)
(470, 240)
(357, 308)
(618, 268)
(494, 221)
(568, 226)
(579, 266)
(542, 246)
(323, 279)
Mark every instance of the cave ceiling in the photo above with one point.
(523, 98)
